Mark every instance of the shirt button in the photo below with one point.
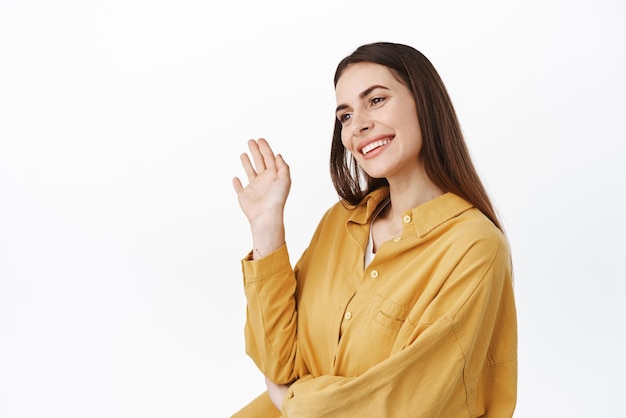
(348, 315)
(407, 219)
(374, 274)
(397, 239)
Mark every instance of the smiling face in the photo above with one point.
(379, 122)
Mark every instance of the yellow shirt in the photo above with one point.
(427, 329)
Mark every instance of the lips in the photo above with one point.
(375, 144)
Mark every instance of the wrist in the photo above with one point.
(263, 245)
(268, 235)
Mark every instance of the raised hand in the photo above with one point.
(263, 199)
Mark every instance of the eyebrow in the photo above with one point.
(362, 95)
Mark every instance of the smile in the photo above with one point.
(374, 145)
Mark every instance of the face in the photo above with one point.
(379, 122)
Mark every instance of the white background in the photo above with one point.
(121, 125)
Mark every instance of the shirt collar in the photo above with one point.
(363, 211)
(425, 217)
(437, 211)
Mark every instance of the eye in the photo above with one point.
(343, 118)
(376, 100)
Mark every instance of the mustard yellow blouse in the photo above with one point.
(427, 329)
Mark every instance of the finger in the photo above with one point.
(237, 185)
(247, 167)
(259, 161)
(282, 169)
(281, 164)
(266, 151)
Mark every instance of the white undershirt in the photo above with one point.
(369, 250)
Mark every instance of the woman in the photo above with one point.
(402, 304)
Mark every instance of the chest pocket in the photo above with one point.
(389, 314)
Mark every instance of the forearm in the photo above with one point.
(271, 323)
(409, 383)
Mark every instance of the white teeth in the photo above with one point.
(374, 145)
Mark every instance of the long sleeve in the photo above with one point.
(271, 318)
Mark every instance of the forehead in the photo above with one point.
(360, 76)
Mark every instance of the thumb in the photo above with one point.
(237, 185)
(280, 163)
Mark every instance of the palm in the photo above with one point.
(269, 182)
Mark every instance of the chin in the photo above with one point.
(376, 175)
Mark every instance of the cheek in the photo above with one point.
(417, 142)
(344, 139)
(413, 130)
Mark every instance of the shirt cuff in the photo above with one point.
(272, 263)
(288, 402)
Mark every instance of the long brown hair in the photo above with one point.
(446, 157)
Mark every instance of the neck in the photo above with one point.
(407, 195)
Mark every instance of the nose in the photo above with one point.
(361, 123)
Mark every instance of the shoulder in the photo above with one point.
(472, 224)
(458, 225)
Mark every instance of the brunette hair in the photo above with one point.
(446, 157)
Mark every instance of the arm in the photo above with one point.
(459, 357)
(263, 202)
(272, 320)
